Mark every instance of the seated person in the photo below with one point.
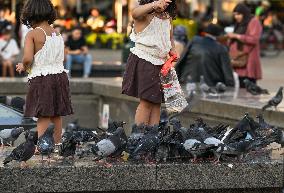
(77, 51)
(8, 51)
(205, 56)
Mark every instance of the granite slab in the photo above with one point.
(222, 176)
(78, 178)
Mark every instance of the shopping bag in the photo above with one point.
(174, 97)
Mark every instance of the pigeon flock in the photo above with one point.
(169, 140)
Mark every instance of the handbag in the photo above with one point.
(239, 59)
(174, 97)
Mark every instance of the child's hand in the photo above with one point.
(161, 5)
(173, 52)
(20, 68)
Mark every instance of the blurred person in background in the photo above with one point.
(245, 40)
(8, 51)
(261, 11)
(95, 21)
(207, 57)
(3, 21)
(180, 38)
(77, 51)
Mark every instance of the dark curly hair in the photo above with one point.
(37, 11)
(171, 9)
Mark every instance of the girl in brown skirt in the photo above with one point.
(48, 96)
(153, 37)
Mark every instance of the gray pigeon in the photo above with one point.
(253, 88)
(45, 143)
(196, 148)
(8, 136)
(220, 87)
(23, 152)
(275, 101)
(205, 89)
(113, 145)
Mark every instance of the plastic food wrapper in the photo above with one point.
(174, 97)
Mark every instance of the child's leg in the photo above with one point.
(11, 68)
(58, 128)
(155, 115)
(143, 112)
(4, 69)
(42, 125)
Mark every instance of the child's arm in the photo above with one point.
(28, 53)
(142, 10)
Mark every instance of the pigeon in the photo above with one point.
(164, 120)
(109, 146)
(179, 130)
(205, 89)
(262, 123)
(253, 88)
(23, 152)
(220, 87)
(68, 145)
(134, 138)
(148, 145)
(176, 139)
(275, 101)
(45, 143)
(239, 132)
(72, 126)
(162, 153)
(8, 136)
(196, 148)
(113, 125)
(81, 135)
(34, 134)
(238, 149)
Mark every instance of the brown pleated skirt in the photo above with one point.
(141, 80)
(48, 96)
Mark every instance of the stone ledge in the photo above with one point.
(77, 179)
(208, 176)
(127, 177)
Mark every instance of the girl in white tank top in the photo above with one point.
(152, 34)
(48, 96)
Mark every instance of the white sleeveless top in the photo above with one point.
(49, 59)
(153, 44)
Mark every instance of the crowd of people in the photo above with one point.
(72, 27)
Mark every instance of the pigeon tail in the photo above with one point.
(266, 107)
(7, 160)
